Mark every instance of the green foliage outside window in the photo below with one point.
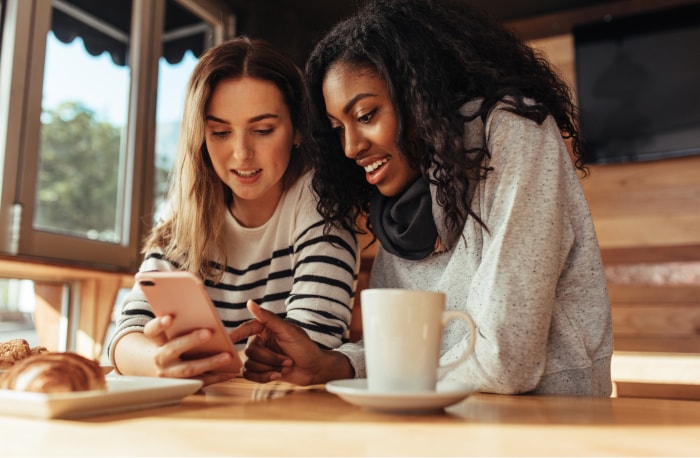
(79, 173)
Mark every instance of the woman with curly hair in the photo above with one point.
(242, 216)
(449, 133)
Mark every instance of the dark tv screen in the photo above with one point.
(638, 86)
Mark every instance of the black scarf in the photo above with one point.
(404, 224)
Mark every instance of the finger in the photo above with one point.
(267, 318)
(246, 330)
(281, 329)
(266, 363)
(215, 377)
(173, 350)
(255, 366)
(155, 329)
(194, 368)
(261, 377)
(259, 353)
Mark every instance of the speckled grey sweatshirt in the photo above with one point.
(534, 283)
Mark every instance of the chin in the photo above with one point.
(388, 191)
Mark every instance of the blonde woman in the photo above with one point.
(242, 216)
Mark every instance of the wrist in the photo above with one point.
(334, 365)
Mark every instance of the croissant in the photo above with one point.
(54, 372)
(16, 350)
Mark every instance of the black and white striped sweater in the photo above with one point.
(285, 265)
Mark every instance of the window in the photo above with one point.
(185, 36)
(88, 147)
(17, 305)
(79, 189)
(85, 143)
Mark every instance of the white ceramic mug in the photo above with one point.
(402, 332)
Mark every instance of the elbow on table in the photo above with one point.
(513, 386)
(512, 380)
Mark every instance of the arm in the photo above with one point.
(149, 354)
(513, 292)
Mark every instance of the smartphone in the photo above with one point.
(182, 295)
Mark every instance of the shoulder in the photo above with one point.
(299, 204)
(502, 119)
(520, 137)
(155, 260)
(501, 127)
(301, 191)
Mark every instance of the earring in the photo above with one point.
(297, 145)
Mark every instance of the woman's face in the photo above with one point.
(249, 136)
(360, 111)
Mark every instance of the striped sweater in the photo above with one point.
(285, 265)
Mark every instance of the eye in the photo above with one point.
(220, 133)
(263, 131)
(366, 118)
(336, 127)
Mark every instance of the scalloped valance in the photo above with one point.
(104, 26)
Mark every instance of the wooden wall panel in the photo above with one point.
(636, 205)
(656, 318)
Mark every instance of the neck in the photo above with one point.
(255, 213)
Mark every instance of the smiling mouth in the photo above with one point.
(247, 173)
(375, 165)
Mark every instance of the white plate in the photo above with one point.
(355, 392)
(123, 393)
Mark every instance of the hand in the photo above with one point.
(283, 351)
(168, 355)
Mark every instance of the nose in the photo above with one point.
(241, 147)
(354, 143)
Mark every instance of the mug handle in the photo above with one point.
(455, 315)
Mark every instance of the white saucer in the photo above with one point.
(355, 392)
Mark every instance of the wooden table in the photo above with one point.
(321, 424)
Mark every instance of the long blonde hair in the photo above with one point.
(192, 235)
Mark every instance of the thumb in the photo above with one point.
(281, 329)
(265, 317)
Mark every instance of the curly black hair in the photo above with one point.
(434, 58)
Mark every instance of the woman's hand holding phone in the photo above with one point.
(168, 356)
(190, 337)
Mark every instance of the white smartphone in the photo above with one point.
(182, 295)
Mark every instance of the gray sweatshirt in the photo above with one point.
(533, 283)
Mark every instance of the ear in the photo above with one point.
(296, 140)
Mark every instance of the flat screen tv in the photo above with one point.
(638, 86)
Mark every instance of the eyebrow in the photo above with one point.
(354, 100)
(257, 118)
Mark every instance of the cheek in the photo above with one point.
(281, 152)
(283, 161)
(216, 158)
(215, 150)
(385, 132)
